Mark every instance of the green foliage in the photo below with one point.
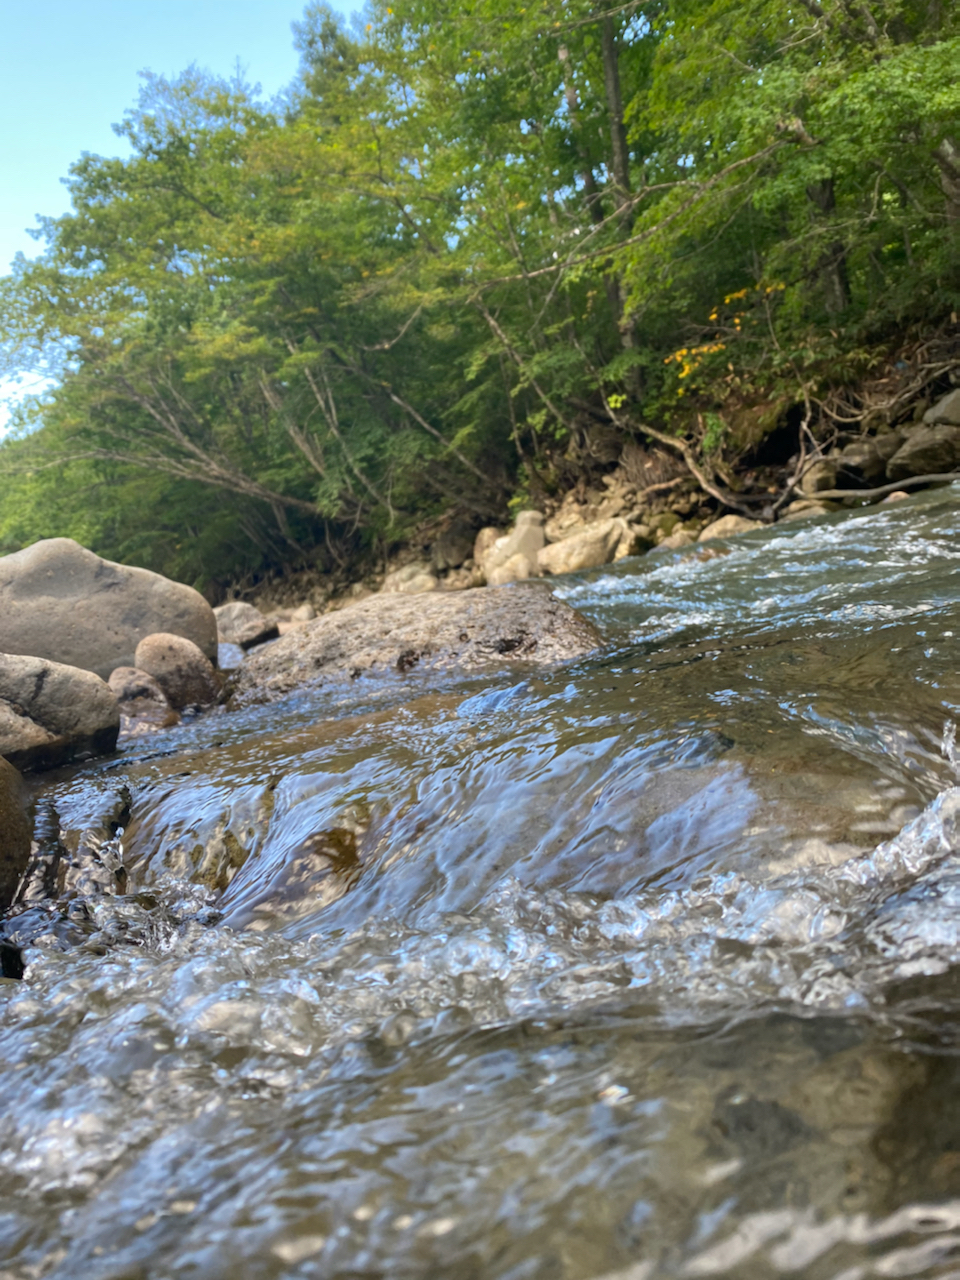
(473, 232)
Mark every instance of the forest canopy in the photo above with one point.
(472, 245)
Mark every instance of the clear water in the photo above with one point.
(647, 967)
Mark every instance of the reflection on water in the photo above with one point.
(646, 967)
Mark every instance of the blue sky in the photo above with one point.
(68, 70)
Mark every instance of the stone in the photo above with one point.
(926, 451)
(411, 580)
(143, 705)
(861, 461)
(819, 476)
(634, 541)
(595, 545)
(946, 410)
(526, 538)
(517, 569)
(241, 623)
(483, 542)
(452, 547)
(51, 713)
(391, 635)
(180, 668)
(682, 538)
(570, 519)
(128, 684)
(728, 527)
(898, 495)
(805, 508)
(61, 602)
(663, 525)
(303, 613)
(15, 832)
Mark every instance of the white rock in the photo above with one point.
(595, 545)
(411, 580)
(728, 527)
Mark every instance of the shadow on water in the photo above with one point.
(645, 967)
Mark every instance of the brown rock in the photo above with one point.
(182, 671)
(128, 684)
(392, 634)
(15, 832)
(61, 602)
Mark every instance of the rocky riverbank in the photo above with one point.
(649, 499)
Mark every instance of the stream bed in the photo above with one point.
(643, 967)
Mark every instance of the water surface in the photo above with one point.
(644, 967)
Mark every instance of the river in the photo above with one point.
(644, 967)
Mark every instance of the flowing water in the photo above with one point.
(644, 967)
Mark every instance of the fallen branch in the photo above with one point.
(946, 477)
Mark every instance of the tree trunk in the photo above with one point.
(619, 155)
(947, 156)
(833, 262)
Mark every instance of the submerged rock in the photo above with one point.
(182, 671)
(51, 713)
(14, 832)
(61, 602)
(143, 704)
(243, 624)
(442, 630)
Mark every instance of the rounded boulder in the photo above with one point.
(181, 669)
(61, 602)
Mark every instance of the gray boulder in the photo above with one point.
(819, 476)
(61, 602)
(927, 451)
(452, 547)
(390, 635)
(15, 832)
(243, 624)
(180, 668)
(51, 713)
(946, 410)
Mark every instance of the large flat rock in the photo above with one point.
(393, 634)
(62, 602)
